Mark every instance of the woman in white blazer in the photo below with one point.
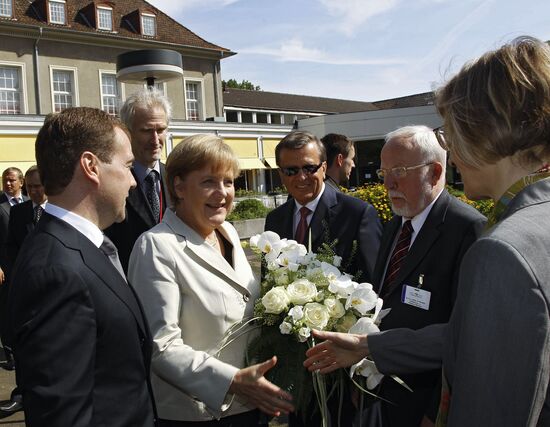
(195, 283)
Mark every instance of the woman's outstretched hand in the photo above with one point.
(339, 350)
(250, 384)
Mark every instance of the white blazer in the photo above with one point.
(191, 297)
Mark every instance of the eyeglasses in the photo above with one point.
(399, 172)
(440, 135)
(306, 169)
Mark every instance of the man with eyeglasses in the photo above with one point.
(319, 214)
(416, 271)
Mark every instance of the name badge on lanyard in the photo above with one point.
(416, 297)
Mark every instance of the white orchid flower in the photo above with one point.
(362, 299)
(364, 326)
(264, 241)
(342, 286)
(367, 368)
(330, 271)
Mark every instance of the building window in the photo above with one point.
(105, 18)
(10, 90)
(148, 24)
(110, 93)
(64, 89)
(193, 100)
(6, 8)
(57, 11)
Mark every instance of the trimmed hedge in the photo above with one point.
(248, 209)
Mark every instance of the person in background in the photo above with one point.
(23, 218)
(340, 155)
(196, 284)
(319, 211)
(495, 348)
(147, 114)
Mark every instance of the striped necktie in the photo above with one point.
(399, 253)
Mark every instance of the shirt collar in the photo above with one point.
(142, 171)
(86, 227)
(506, 198)
(418, 220)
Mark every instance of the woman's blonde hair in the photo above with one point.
(499, 105)
(194, 153)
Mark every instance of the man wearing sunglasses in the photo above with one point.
(318, 214)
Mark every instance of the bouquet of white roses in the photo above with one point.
(301, 291)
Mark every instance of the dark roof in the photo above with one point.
(416, 100)
(81, 18)
(286, 102)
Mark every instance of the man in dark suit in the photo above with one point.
(23, 218)
(12, 183)
(81, 342)
(340, 154)
(330, 216)
(418, 281)
(146, 114)
(319, 211)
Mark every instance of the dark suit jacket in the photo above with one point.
(5, 209)
(20, 224)
(139, 219)
(81, 342)
(337, 216)
(449, 230)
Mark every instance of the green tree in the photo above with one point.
(245, 84)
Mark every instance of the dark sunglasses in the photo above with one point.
(307, 169)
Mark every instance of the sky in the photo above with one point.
(364, 50)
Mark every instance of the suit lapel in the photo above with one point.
(385, 251)
(96, 261)
(6, 206)
(138, 201)
(203, 254)
(426, 237)
(321, 220)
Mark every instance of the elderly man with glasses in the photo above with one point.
(318, 214)
(416, 271)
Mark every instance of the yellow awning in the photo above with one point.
(245, 164)
(269, 147)
(271, 162)
(243, 148)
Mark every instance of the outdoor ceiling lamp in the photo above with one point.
(150, 66)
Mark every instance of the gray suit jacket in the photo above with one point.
(497, 349)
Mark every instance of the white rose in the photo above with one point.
(285, 328)
(345, 323)
(275, 300)
(335, 308)
(316, 315)
(303, 334)
(301, 291)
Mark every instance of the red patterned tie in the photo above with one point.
(302, 225)
(399, 253)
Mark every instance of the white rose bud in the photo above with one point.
(296, 312)
(301, 291)
(303, 334)
(275, 300)
(337, 261)
(316, 315)
(285, 328)
(335, 308)
(345, 323)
